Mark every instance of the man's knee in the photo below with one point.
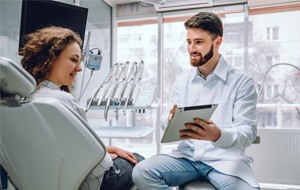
(138, 172)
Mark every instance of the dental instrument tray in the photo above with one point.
(185, 115)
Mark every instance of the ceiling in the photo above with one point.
(250, 2)
(114, 2)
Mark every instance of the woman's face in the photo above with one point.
(66, 66)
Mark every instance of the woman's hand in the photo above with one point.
(113, 156)
(115, 152)
(201, 130)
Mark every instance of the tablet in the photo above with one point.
(185, 115)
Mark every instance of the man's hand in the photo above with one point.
(172, 111)
(201, 130)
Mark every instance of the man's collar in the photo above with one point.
(221, 69)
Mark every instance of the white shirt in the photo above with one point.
(235, 94)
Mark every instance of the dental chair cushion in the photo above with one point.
(14, 79)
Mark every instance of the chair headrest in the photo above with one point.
(14, 79)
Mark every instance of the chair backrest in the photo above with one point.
(44, 144)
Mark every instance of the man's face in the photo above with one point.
(200, 46)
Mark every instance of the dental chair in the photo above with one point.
(205, 184)
(44, 145)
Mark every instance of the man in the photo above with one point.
(216, 150)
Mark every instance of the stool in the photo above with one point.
(197, 185)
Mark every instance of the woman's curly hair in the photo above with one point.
(43, 46)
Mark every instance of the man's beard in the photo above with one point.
(204, 59)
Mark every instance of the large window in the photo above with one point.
(251, 43)
(274, 56)
(136, 43)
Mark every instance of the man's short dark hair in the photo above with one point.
(206, 21)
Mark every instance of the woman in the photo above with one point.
(52, 55)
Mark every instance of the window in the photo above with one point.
(137, 43)
(248, 50)
(272, 91)
(271, 120)
(272, 33)
(279, 99)
(236, 61)
(272, 60)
